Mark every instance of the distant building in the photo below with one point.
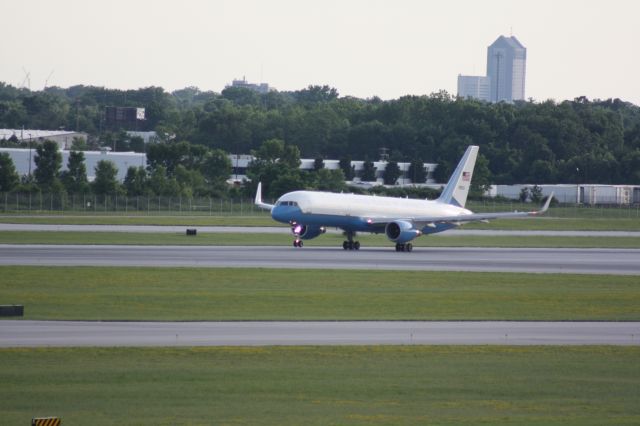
(128, 118)
(473, 86)
(147, 137)
(506, 70)
(63, 138)
(506, 67)
(260, 88)
(581, 194)
(240, 163)
(122, 160)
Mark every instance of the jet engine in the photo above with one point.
(401, 232)
(306, 232)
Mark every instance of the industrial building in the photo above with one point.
(63, 138)
(593, 194)
(122, 160)
(241, 162)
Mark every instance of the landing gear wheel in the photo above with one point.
(351, 245)
(297, 243)
(408, 247)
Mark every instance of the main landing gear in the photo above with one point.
(350, 244)
(404, 247)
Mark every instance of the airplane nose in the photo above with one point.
(278, 214)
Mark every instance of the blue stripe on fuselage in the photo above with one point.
(288, 214)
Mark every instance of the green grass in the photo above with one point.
(229, 220)
(548, 222)
(381, 385)
(109, 293)
(285, 239)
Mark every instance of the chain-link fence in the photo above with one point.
(38, 203)
(559, 210)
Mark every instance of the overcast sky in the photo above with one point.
(363, 48)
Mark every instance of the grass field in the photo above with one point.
(106, 293)
(548, 222)
(381, 385)
(285, 239)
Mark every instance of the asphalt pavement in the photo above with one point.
(109, 334)
(539, 260)
(171, 229)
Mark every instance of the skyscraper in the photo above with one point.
(506, 66)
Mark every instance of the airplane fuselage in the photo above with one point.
(402, 220)
(352, 212)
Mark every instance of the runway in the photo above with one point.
(540, 260)
(172, 229)
(109, 334)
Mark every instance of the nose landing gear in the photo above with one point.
(297, 243)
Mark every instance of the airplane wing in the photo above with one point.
(474, 217)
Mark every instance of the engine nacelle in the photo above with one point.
(401, 232)
(306, 232)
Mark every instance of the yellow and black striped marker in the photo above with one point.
(45, 421)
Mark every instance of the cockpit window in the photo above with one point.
(287, 203)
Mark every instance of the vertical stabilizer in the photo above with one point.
(457, 188)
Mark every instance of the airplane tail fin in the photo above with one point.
(258, 201)
(457, 188)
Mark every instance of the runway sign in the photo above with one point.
(45, 421)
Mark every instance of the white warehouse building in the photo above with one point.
(581, 194)
(122, 160)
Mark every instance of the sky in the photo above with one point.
(363, 48)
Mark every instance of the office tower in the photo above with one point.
(473, 86)
(506, 66)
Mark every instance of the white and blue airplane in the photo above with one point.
(310, 212)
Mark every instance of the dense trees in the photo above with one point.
(9, 178)
(106, 182)
(74, 178)
(48, 161)
(391, 173)
(576, 141)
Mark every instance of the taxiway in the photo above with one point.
(539, 260)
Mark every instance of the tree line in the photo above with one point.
(187, 170)
(172, 170)
(574, 141)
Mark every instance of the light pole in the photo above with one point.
(29, 155)
(578, 186)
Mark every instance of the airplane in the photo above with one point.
(310, 213)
